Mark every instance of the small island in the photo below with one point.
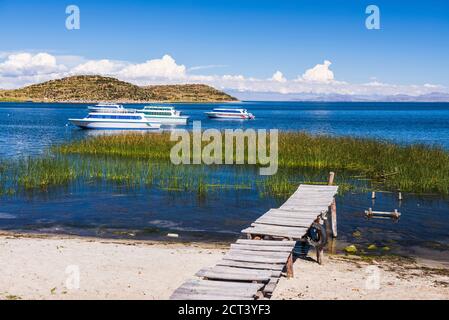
(93, 89)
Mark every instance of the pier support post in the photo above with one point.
(319, 255)
(333, 208)
(289, 266)
(330, 181)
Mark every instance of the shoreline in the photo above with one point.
(37, 266)
(121, 101)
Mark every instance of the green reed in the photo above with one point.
(413, 168)
(139, 160)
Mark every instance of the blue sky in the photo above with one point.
(249, 38)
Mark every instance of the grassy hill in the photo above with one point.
(103, 89)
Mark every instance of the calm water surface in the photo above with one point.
(28, 129)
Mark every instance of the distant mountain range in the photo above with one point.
(105, 89)
(275, 96)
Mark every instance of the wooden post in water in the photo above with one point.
(333, 207)
(330, 181)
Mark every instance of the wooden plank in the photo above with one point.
(224, 284)
(297, 212)
(195, 296)
(293, 215)
(278, 221)
(238, 270)
(271, 285)
(260, 253)
(224, 290)
(266, 242)
(300, 214)
(252, 265)
(258, 259)
(296, 208)
(281, 228)
(262, 248)
(234, 276)
(274, 232)
(317, 186)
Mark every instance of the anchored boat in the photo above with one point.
(164, 115)
(107, 107)
(114, 120)
(224, 113)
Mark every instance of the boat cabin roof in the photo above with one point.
(162, 108)
(108, 105)
(230, 110)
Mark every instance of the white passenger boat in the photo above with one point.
(107, 107)
(225, 113)
(164, 115)
(113, 120)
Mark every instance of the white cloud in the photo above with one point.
(209, 66)
(104, 67)
(27, 64)
(165, 68)
(19, 69)
(319, 73)
(278, 76)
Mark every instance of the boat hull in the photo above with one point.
(119, 124)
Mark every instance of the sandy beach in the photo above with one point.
(63, 267)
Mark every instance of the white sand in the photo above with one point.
(38, 267)
(348, 278)
(31, 268)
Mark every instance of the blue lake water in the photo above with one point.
(28, 129)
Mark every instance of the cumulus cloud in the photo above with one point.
(27, 64)
(104, 67)
(19, 69)
(166, 68)
(319, 73)
(278, 76)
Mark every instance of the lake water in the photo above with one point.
(28, 129)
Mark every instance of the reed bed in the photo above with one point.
(139, 160)
(389, 166)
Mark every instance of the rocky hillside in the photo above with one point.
(103, 89)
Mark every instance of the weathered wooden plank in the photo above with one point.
(278, 221)
(258, 259)
(309, 202)
(181, 295)
(260, 253)
(298, 211)
(252, 265)
(317, 186)
(266, 242)
(280, 228)
(221, 290)
(275, 232)
(239, 270)
(234, 276)
(297, 208)
(262, 248)
(270, 286)
(299, 214)
(308, 217)
(223, 284)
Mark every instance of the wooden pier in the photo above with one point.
(252, 267)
